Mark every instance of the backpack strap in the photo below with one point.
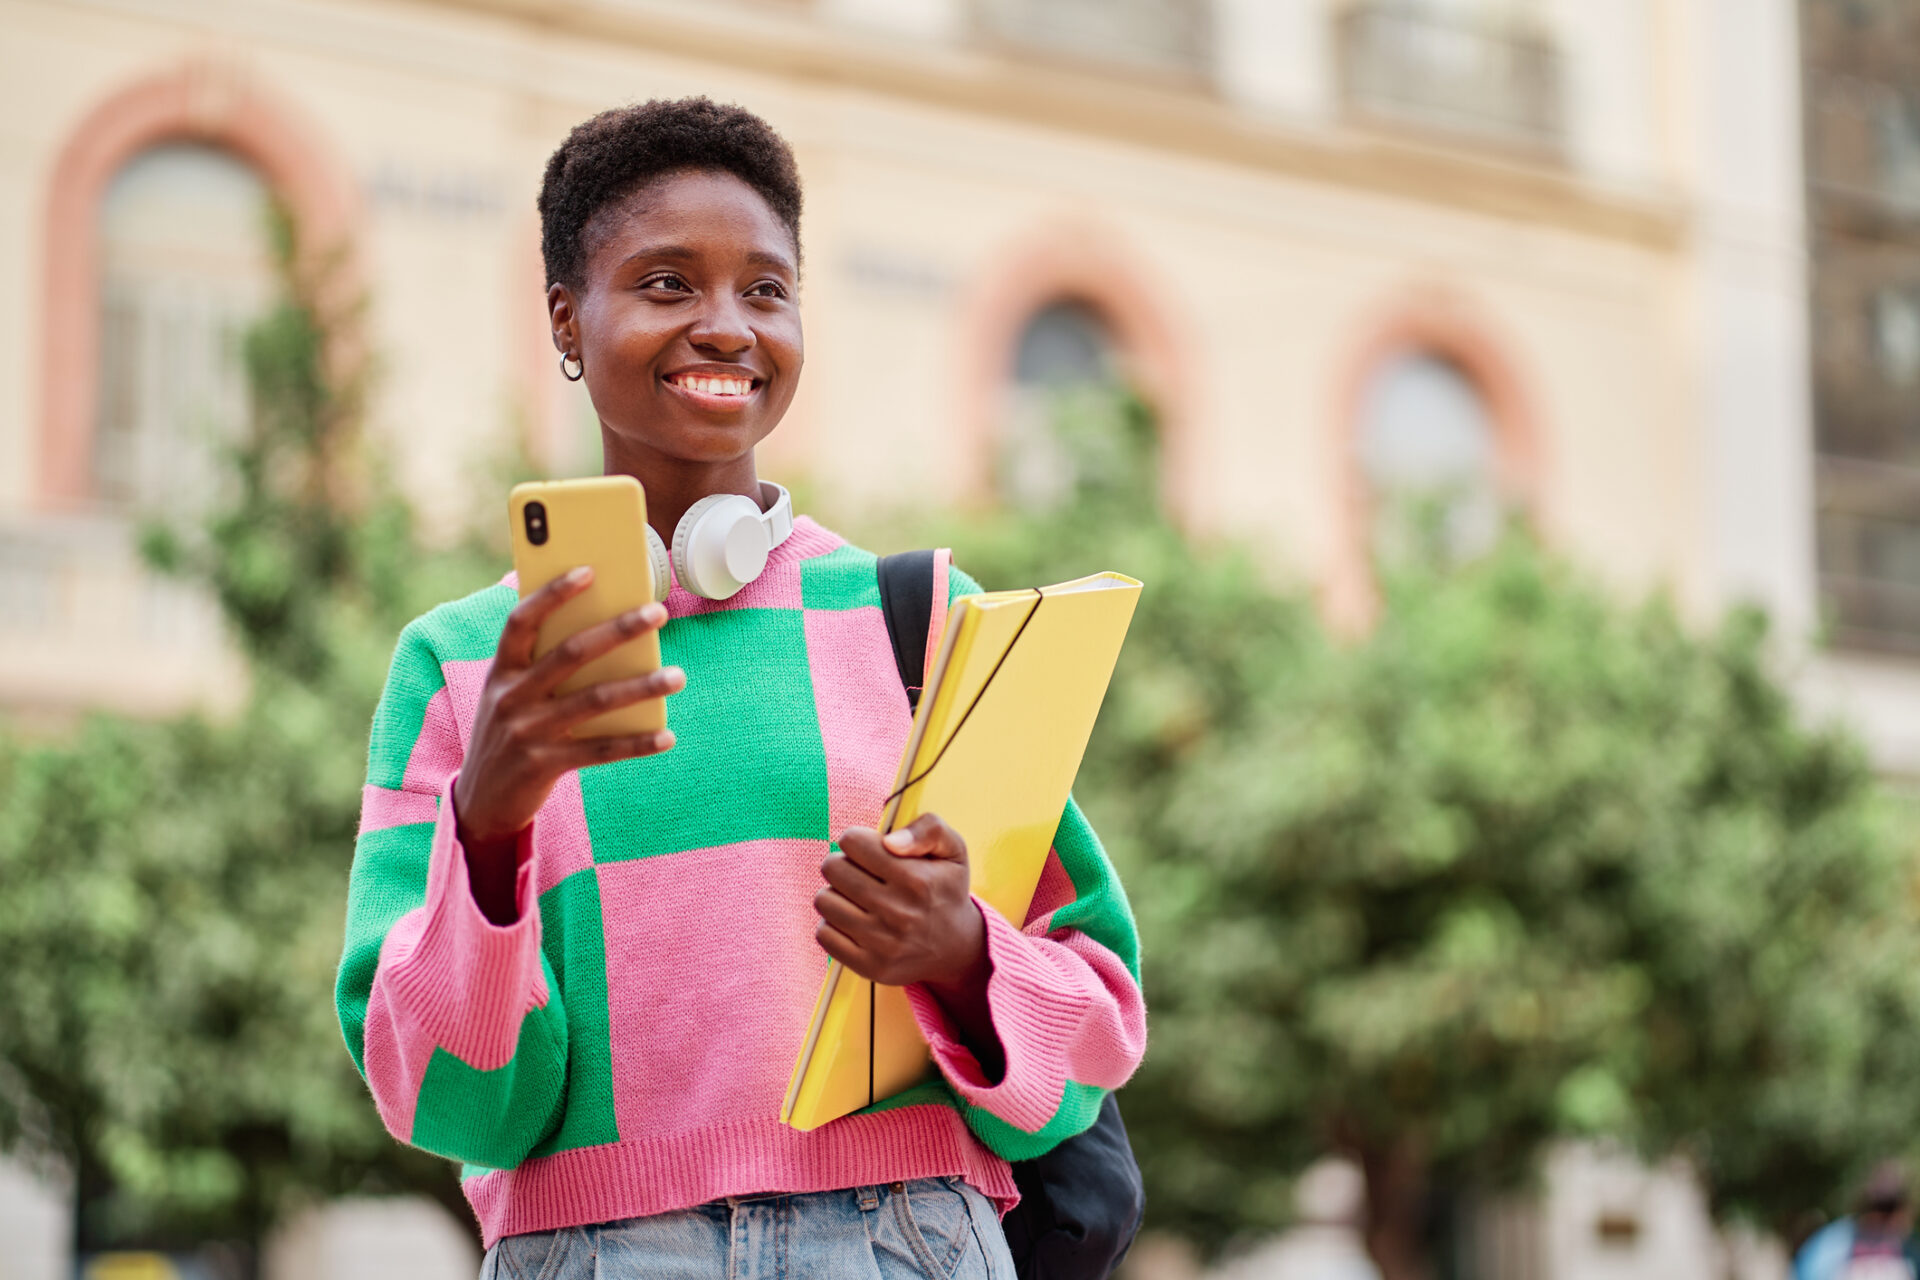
(913, 601)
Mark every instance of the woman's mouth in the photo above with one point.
(714, 390)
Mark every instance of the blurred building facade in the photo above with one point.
(1550, 254)
(1546, 255)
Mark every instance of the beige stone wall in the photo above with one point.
(1256, 263)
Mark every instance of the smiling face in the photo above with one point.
(687, 326)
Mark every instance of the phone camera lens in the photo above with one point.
(536, 518)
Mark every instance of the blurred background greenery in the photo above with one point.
(1517, 863)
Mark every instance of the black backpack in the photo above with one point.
(1080, 1203)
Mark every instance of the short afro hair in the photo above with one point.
(608, 158)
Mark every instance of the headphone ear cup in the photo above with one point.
(662, 565)
(691, 539)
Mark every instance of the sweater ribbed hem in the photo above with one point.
(645, 1176)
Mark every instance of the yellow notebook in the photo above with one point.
(995, 746)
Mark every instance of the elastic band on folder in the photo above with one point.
(1038, 596)
(917, 779)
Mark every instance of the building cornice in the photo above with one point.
(1141, 112)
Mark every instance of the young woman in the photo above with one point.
(584, 966)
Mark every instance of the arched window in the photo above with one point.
(186, 264)
(1428, 454)
(1066, 366)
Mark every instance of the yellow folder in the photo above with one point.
(995, 745)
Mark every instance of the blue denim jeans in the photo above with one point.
(928, 1229)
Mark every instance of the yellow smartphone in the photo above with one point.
(559, 525)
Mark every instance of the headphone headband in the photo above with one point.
(723, 541)
(776, 505)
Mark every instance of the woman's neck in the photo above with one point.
(675, 484)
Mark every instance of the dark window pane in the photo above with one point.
(1064, 423)
(1427, 450)
(1065, 343)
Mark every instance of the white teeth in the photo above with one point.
(716, 386)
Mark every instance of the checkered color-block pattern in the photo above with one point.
(621, 1049)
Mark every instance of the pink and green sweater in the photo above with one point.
(622, 1049)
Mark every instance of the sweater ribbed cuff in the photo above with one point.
(1037, 1009)
(465, 982)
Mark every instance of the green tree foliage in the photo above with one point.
(176, 890)
(1520, 863)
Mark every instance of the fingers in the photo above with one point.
(926, 837)
(610, 695)
(845, 950)
(863, 847)
(584, 646)
(846, 916)
(852, 881)
(523, 624)
(578, 753)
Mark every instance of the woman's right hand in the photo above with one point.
(522, 733)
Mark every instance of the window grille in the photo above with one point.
(1477, 75)
(1148, 35)
(186, 267)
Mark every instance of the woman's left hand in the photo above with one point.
(898, 908)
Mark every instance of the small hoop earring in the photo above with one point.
(578, 371)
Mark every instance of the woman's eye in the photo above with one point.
(768, 289)
(671, 283)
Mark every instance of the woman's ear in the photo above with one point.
(560, 314)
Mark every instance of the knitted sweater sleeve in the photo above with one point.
(455, 1023)
(1064, 996)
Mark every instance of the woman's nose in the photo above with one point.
(722, 327)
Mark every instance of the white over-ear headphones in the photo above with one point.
(722, 543)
